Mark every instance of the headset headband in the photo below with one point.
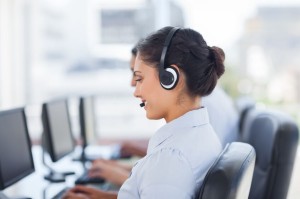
(166, 46)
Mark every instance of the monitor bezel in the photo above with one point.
(49, 145)
(14, 180)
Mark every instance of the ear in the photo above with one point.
(176, 67)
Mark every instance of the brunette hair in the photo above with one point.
(201, 64)
(134, 51)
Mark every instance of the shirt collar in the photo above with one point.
(190, 119)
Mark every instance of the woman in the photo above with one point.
(174, 69)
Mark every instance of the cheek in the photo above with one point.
(151, 89)
(156, 105)
(154, 112)
(153, 93)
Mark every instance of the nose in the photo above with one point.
(136, 92)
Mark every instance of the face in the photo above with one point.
(132, 62)
(158, 101)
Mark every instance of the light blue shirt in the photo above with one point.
(178, 157)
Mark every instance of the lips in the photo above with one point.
(144, 102)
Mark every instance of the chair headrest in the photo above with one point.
(269, 130)
(231, 174)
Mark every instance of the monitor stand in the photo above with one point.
(3, 196)
(79, 155)
(54, 176)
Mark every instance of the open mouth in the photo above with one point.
(144, 102)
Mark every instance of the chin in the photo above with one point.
(153, 117)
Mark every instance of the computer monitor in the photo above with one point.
(89, 134)
(16, 161)
(57, 136)
(88, 125)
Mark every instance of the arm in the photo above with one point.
(84, 192)
(134, 148)
(109, 170)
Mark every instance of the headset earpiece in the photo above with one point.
(168, 76)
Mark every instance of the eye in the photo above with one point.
(138, 79)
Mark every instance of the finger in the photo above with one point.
(68, 195)
(95, 174)
(99, 160)
(95, 169)
(82, 189)
(104, 162)
(98, 163)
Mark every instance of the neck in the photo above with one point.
(183, 106)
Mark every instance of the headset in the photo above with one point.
(168, 75)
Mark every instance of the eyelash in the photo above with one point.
(138, 80)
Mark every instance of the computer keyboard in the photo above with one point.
(85, 179)
(61, 193)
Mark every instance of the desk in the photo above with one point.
(35, 186)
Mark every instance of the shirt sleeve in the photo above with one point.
(167, 174)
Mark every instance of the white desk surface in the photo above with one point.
(34, 185)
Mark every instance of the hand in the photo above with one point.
(111, 171)
(134, 148)
(113, 163)
(84, 192)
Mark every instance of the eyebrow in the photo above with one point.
(135, 73)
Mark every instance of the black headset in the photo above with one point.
(168, 75)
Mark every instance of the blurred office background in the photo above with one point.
(66, 48)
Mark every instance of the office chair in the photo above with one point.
(274, 137)
(243, 105)
(231, 175)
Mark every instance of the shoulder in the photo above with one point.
(167, 168)
(166, 156)
(167, 162)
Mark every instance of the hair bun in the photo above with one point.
(219, 57)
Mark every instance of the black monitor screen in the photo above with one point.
(87, 120)
(57, 129)
(16, 160)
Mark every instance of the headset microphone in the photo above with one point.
(142, 104)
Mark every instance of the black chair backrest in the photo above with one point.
(274, 136)
(231, 174)
(243, 105)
